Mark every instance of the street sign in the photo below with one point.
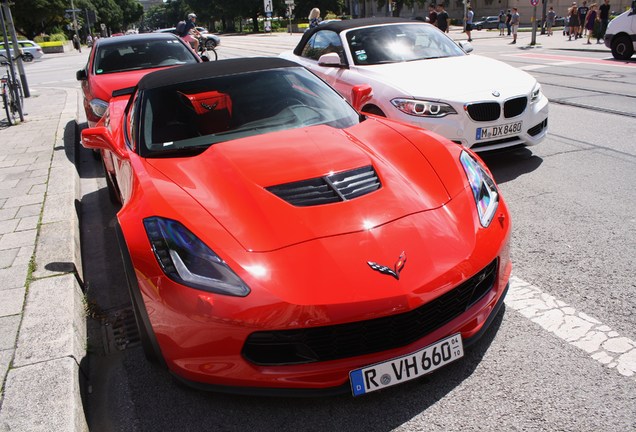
(534, 2)
(289, 2)
(267, 5)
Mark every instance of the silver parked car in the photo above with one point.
(30, 50)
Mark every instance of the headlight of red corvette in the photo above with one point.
(483, 187)
(187, 260)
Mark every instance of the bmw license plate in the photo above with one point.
(498, 131)
(402, 369)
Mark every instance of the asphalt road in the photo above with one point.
(542, 367)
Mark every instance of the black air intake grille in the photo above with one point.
(337, 187)
(515, 107)
(484, 111)
(284, 347)
(536, 130)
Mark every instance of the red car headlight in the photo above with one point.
(98, 107)
(188, 261)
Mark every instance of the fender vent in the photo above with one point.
(333, 188)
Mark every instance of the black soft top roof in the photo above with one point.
(195, 72)
(339, 26)
(123, 40)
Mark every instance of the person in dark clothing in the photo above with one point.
(442, 18)
(432, 15)
(508, 19)
(582, 12)
(603, 16)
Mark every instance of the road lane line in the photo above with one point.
(533, 67)
(563, 60)
(576, 328)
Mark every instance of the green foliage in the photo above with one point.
(57, 37)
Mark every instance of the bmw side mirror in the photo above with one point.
(81, 75)
(330, 59)
(466, 46)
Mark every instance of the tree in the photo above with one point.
(33, 17)
(109, 13)
(132, 11)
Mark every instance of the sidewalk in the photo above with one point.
(524, 38)
(42, 325)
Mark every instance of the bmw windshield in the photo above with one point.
(398, 43)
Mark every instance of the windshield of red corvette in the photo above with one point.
(141, 54)
(399, 43)
(196, 114)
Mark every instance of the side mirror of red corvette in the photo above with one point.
(360, 95)
(100, 138)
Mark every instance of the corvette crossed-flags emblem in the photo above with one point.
(395, 271)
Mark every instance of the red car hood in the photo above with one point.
(230, 179)
(102, 86)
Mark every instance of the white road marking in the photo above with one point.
(576, 328)
(533, 67)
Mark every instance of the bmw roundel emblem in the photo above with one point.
(495, 93)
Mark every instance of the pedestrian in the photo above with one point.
(573, 22)
(89, 40)
(603, 15)
(76, 43)
(508, 18)
(582, 13)
(432, 15)
(468, 20)
(590, 20)
(442, 19)
(549, 20)
(314, 18)
(502, 22)
(514, 24)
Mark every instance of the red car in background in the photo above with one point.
(275, 240)
(116, 63)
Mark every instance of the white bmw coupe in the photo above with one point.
(421, 76)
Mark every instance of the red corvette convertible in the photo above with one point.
(278, 241)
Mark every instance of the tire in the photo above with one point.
(210, 54)
(113, 192)
(20, 94)
(149, 344)
(9, 105)
(5, 104)
(210, 44)
(622, 47)
(27, 57)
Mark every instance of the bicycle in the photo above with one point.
(12, 97)
(207, 48)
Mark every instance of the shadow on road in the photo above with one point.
(507, 165)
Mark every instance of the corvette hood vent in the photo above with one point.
(342, 186)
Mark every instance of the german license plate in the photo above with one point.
(402, 369)
(498, 131)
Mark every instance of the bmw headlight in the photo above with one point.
(483, 187)
(98, 107)
(187, 260)
(536, 93)
(422, 108)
